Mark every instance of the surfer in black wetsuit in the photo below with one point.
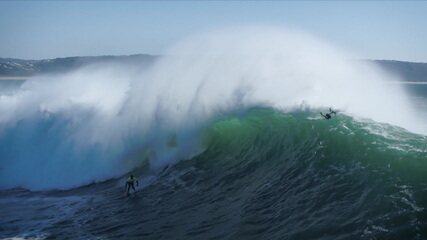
(328, 116)
(130, 183)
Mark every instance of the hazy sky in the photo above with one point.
(374, 30)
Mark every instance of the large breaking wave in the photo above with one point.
(64, 131)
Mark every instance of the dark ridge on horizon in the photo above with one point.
(407, 71)
(83, 56)
(13, 67)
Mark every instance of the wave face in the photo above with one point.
(263, 174)
(274, 175)
(102, 121)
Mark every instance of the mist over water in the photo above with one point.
(68, 130)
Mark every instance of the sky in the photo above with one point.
(48, 29)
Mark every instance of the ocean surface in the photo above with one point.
(258, 173)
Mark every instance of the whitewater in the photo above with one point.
(225, 134)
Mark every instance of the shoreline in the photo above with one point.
(16, 78)
(403, 82)
(24, 78)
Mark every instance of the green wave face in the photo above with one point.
(271, 136)
(300, 176)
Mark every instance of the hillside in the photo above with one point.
(408, 71)
(10, 67)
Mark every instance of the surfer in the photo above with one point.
(328, 116)
(130, 183)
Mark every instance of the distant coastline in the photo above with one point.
(21, 70)
(24, 78)
(404, 82)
